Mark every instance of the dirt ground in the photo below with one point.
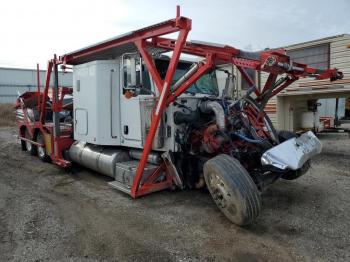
(48, 214)
(7, 116)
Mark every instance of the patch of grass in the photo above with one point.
(7, 115)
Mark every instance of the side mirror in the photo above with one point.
(229, 91)
(132, 67)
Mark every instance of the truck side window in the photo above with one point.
(135, 74)
(131, 71)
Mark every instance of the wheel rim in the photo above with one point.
(221, 194)
(28, 146)
(41, 152)
(41, 149)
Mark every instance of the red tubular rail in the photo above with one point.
(161, 105)
(38, 82)
(46, 91)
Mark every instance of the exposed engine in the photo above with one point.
(236, 128)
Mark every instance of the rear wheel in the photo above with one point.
(23, 145)
(232, 189)
(32, 149)
(42, 149)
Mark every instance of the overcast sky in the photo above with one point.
(32, 31)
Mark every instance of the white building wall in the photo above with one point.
(271, 106)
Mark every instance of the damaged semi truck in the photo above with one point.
(153, 121)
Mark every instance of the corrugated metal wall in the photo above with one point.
(14, 80)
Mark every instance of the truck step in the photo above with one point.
(125, 173)
(120, 186)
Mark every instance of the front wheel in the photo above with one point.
(232, 189)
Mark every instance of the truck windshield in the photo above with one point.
(207, 84)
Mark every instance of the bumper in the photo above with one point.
(293, 153)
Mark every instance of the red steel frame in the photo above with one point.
(61, 141)
(274, 62)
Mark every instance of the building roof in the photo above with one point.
(20, 69)
(28, 69)
(324, 39)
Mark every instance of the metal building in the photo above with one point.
(18, 80)
(290, 106)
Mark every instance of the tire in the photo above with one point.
(23, 145)
(294, 174)
(41, 151)
(32, 149)
(232, 189)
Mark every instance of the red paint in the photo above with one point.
(64, 141)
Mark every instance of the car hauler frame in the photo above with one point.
(151, 40)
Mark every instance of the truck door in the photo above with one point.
(135, 87)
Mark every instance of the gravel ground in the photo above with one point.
(48, 214)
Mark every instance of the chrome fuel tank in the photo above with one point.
(98, 158)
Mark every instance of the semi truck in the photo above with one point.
(141, 113)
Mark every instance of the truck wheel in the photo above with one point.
(294, 174)
(23, 145)
(29, 146)
(232, 189)
(42, 150)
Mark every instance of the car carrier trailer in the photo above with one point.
(154, 122)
